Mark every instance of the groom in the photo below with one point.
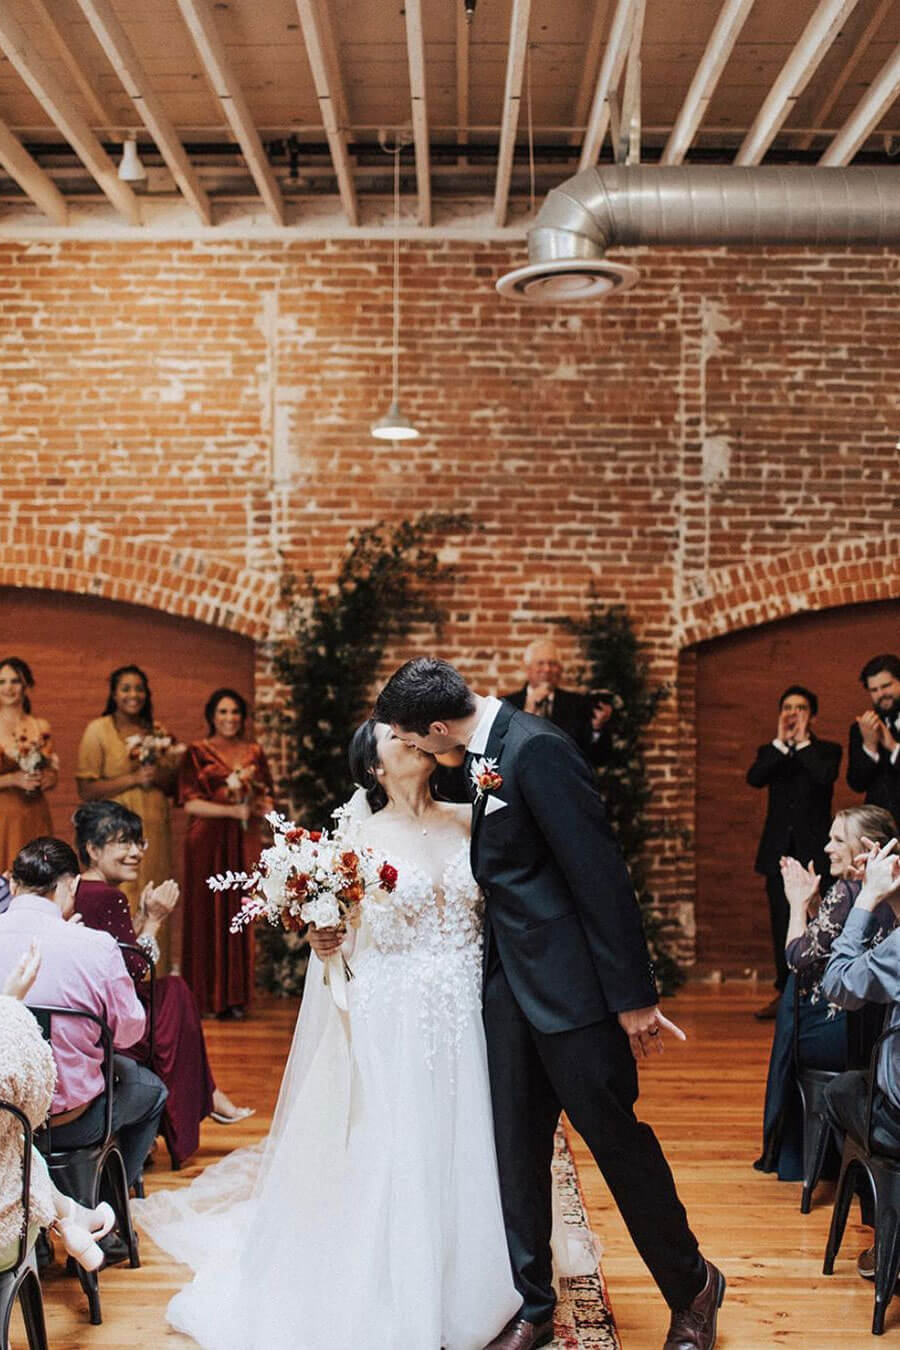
(570, 1000)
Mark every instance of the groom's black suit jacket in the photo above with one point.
(561, 909)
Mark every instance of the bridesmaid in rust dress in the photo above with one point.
(225, 786)
(110, 840)
(28, 766)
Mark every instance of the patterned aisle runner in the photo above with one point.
(584, 1318)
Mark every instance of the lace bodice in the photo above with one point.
(423, 943)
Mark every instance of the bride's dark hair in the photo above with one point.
(364, 759)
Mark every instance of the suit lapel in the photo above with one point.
(493, 751)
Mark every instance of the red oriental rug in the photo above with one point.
(584, 1318)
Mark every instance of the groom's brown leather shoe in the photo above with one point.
(521, 1335)
(695, 1327)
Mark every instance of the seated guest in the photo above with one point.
(81, 969)
(860, 972)
(822, 1027)
(874, 758)
(574, 713)
(27, 1080)
(798, 771)
(109, 839)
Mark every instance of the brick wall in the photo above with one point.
(716, 448)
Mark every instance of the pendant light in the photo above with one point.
(394, 426)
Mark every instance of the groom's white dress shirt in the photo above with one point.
(479, 738)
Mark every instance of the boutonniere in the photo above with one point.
(485, 777)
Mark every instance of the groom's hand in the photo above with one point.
(644, 1027)
(325, 942)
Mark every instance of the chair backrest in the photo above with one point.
(137, 952)
(28, 1144)
(45, 1017)
(873, 1079)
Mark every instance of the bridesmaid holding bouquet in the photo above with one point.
(28, 766)
(225, 786)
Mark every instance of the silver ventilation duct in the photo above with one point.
(689, 204)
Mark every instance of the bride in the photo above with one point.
(371, 1216)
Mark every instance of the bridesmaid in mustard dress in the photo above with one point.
(28, 766)
(225, 786)
(125, 756)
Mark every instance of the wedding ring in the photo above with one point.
(654, 1031)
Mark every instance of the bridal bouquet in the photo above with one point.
(309, 876)
(149, 747)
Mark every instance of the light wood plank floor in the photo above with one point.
(705, 1101)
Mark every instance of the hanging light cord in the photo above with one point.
(396, 348)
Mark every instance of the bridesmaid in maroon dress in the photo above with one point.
(225, 786)
(110, 843)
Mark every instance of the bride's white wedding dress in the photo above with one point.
(371, 1216)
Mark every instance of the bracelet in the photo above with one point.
(149, 945)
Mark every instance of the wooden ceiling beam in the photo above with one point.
(859, 51)
(101, 114)
(512, 97)
(329, 92)
(127, 64)
(732, 17)
(198, 17)
(56, 102)
(31, 178)
(415, 48)
(608, 77)
(873, 105)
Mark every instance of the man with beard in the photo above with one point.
(874, 756)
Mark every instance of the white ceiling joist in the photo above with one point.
(793, 78)
(32, 68)
(732, 17)
(31, 178)
(198, 16)
(462, 75)
(865, 38)
(512, 97)
(589, 69)
(331, 101)
(415, 48)
(879, 96)
(102, 116)
(627, 146)
(608, 77)
(129, 68)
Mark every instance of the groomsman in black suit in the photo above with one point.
(799, 771)
(582, 718)
(570, 1000)
(874, 757)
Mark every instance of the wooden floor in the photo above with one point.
(705, 1101)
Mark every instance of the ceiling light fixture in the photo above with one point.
(131, 170)
(394, 426)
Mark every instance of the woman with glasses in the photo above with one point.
(110, 843)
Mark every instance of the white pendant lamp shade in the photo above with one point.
(394, 426)
(131, 170)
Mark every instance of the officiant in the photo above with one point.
(583, 718)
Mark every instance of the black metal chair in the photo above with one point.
(131, 949)
(84, 1173)
(860, 1163)
(863, 1028)
(20, 1281)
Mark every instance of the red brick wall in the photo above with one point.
(715, 448)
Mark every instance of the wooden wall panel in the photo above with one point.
(739, 679)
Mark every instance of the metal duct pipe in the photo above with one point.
(692, 204)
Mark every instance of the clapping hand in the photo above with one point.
(157, 902)
(24, 973)
(872, 729)
(880, 871)
(801, 884)
(643, 1026)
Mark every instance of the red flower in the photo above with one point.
(294, 836)
(349, 862)
(387, 875)
(315, 836)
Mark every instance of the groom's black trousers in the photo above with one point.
(590, 1074)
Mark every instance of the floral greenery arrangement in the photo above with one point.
(326, 664)
(614, 661)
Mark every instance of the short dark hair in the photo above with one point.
(888, 662)
(802, 692)
(114, 678)
(364, 760)
(41, 864)
(100, 823)
(23, 670)
(423, 691)
(215, 699)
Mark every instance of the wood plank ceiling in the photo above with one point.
(284, 114)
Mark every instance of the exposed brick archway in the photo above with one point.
(173, 580)
(852, 572)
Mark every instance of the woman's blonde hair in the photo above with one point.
(871, 822)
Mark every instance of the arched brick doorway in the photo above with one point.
(72, 642)
(738, 679)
